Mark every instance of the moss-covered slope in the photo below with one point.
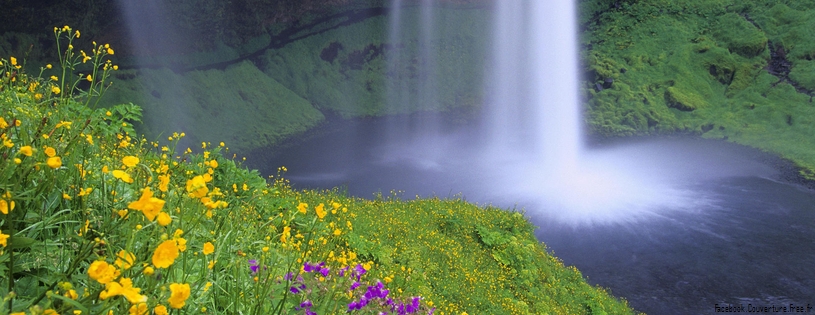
(346, 69)
(722, 69)
(239, 105)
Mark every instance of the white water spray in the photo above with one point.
(535, 124)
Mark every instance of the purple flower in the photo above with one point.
(288, 276)
(307, 267)
(253, 266)
(359, 271)
(431, 311)
(324, 271)
(354, 285)
(306, 305)
(294, 290)
(343, 270)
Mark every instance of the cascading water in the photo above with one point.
(535, 126)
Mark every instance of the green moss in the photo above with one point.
(803, 72)
(740, 36)
(684, 100)
(239, 105)
(345, 70)
(696, 67)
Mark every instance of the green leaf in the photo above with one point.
(21, 242)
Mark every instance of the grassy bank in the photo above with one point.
(720, 69)
(95, 219)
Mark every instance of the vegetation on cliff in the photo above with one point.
(721, 69)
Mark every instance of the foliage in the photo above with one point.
(239, 104)
(97, 220)
(703, 67)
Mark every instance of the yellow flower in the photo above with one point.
(3, 123)
(164, 219)
(7, 143)
(115, 67)
(213, 164)
(181, 243)
(130, 161)
(71, 294)
(50, 152)
(66, 124)
(147, 204)
(3, 239)
(337, 232)
(6, 206)
(110, 51)
(13, 61)
(102, 272)
(286, 234)
(66, 196)
(178, 295)
(211, 264)
(123, 287)
(320, 209)
(48, 66)
(208, 248)
(55, 89)
(26, 150)
(54, 78)
(37, 96)
(50, 311)
(148, 271)
(160, 310)
(138, 309)
(302, 207)
(54, 162)
(89, 77)
(197, 187)
(125, 259)
(77, 34)
(163, 182)
(165, 254)
(124, 176)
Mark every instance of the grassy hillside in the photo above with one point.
(95, 219)
(721, 69)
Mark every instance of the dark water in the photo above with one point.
(727, 232)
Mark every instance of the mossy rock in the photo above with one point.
(684, 100)
(740, 36)
(803, 72)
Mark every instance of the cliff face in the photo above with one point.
(717, 68)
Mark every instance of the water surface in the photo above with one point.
(697, 223)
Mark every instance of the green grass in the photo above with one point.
(99, 220)
(700, 67)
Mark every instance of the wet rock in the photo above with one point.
(607, 83)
